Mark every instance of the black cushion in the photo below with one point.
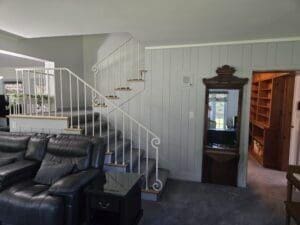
(51, 171)
(36, 148)
(28, 203)
(17, 171)
(98, 149)
(66, 160)
(73, 182)
(13, 142)
(6, 161)
(77, 152)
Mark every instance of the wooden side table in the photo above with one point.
(292, 207)
(114, 199)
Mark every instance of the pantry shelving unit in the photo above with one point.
(269, 115)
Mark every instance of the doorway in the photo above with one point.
(271, 108)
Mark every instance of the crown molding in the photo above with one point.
(226, 43)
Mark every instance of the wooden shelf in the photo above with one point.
(266, 121)
(263, 115)
(264, 106)
(265, 98)
(257, 157)
(259, 124)
(259, 139)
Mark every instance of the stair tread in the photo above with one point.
(119, 146)
(135, 157)
(89, 117)
(104, 133)
(89, 124)
(123, 89)
(162, 175)
(137, 80)
(151, 166)
(112, 97)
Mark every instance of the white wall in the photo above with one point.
(97, 47)
(63, 51)
(8, 73)
(167, 106)
(1, 85)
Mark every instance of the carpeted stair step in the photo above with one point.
(89, 127)
(151, 194)
(117, 148)
(112, 134)
(162, 175)
(151, 166)
(89, 117)
(135, 157)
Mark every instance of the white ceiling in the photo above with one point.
(13, 61)
(154, 21)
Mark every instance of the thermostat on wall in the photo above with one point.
(187, 81)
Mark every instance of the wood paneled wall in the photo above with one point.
(175, 112)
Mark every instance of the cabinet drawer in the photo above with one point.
(105, 203)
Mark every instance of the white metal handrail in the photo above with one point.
(47, 92)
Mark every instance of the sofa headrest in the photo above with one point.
(98, 149)
(37, 146)
(64, 150)
(65, 147)
(13, 142)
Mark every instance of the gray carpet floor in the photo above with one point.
(187, 203)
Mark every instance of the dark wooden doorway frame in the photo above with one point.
(288, 104)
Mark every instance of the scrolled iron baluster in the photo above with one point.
(95, 69)
(158, 184)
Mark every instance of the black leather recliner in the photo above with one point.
(17, 156)
(12, 147)
(31, 202)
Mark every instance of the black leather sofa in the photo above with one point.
(34, 197)
(13, 165)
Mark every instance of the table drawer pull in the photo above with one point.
(104, 205)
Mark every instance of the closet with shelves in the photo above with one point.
(270, 117)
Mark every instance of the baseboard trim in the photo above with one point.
(185, 176)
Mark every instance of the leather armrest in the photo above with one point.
(73, 183)
(17, 171)
(293, 169)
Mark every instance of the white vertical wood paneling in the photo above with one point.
(284, 56)
(184, 121)
(223, 55)
(259, 55)
(296, 53)
(271, 59)
(166, 104)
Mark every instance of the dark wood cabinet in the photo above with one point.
(224, 94)
(220, 167)
(114, 199)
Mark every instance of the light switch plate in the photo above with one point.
(187, 81)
